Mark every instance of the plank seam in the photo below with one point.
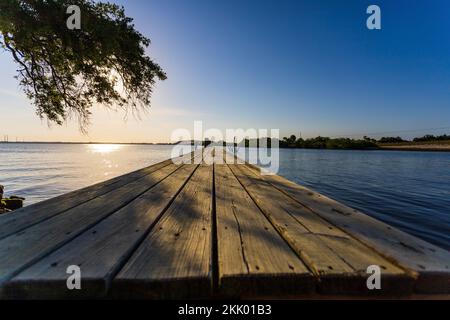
(96, 196)
(307, 265)
(390, 259)
(58, 246)
(239, 227)
(214, 238)
(79, 204)
(132, 250)
(318, 236)
(240, 236)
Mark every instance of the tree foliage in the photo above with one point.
(430, 137)
(391, 140)
(327, 143)
(64, 72)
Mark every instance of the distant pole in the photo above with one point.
(234, 145)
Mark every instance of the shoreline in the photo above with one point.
(424, 148)
(435, 148)
(411, 147)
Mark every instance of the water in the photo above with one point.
(409, 190)
(41, 171)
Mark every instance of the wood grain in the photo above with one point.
(22, 249)
(252, 257)
(337, 259)
(427, 262)
(101, 250)
(175, 260)
(20, 219)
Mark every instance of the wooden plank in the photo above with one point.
(337, 259)
(20, 219)
(208, 156)
(426, 261)
(230, 158)
(212, 155)
(101, 250)
(218, 155)
(195, 157)
(174, 261)
(253, 259)
(22, 249)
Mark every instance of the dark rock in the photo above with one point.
(12, 204)
(17, 198)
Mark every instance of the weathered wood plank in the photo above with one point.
(174, 261)
(208, 156)
(338, 260)
(430, 263)
(20, 219)
(218, 155)
(100, 251)
(230, 158)
(22, 249)
(252, 257)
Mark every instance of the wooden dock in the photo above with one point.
(206, 230)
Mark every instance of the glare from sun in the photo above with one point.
(104, 148)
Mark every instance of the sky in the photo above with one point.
(303, 67)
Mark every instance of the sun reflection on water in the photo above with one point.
(104, 148)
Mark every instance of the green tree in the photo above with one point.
(64, 72)
(391, 140)
(292, 139)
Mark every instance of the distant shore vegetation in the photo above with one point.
(366, 143)
(326, 143)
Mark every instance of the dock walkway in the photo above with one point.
(209, 229)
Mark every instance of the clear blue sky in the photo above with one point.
(300, 66)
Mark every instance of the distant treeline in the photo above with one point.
(347, 143)
(425, 138)
(430, 137)
(314, 143)
(327, 143)
(338, 143)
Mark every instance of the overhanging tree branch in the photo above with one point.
(67, 71)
